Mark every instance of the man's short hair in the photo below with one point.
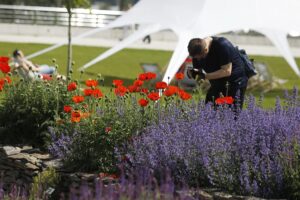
(196, 46)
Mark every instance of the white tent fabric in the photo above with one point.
(137, 35)
(202, 18)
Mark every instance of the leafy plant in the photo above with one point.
(98, 123)
(28, 108)
(43, 183)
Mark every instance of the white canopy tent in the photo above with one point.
(202, 18)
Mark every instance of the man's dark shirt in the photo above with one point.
(222, 52)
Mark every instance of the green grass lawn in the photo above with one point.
(126, 64)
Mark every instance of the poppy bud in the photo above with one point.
(53, 60)
(71, 71)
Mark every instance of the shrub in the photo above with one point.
(242, 152)
(94, 125)
(28, 108)
(43, 183)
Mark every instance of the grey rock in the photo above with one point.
(10, 150)
(237, 197)
(253, 198)
(24, 157)
(41, 156)
(87, 177)
(221, 196)
(56, 163)
(31, 166)
(24, 148)
(204, 195)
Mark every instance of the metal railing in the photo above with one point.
(56, 16)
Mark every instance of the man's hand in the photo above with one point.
(195, 74)
(191, 73)
(201, 76)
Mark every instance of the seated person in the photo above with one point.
(30, 71)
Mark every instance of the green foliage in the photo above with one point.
(128, 62)
(116, 120)
(69, 4)
(27, 109)
(42, 182)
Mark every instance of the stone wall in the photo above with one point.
(18, 165)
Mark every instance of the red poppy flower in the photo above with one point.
(1, 87)
(72, 86)
(161, 85)
(78, 99)
(91, 83)
(5, 68)
(229, 100)
(171, 90)
(108, 129)
(143, 102)
(85, 114)
(4, 59)
(120, 90)
(145, 90)
(188, 60)
(184, 95)
(154, 96)
(67, 109)
(97, 93)
(8, 80)
(224, 100)
(142, 77)
(109, 176)
(138, 83)
(2, 81)
(179, 76)
(75, 116)
(88, 92)
(117, 83)
(132, 88)
(150, 75)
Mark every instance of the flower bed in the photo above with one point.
(253, 151)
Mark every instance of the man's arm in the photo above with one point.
(225, 71)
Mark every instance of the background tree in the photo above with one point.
(70, 4)
(125, 4)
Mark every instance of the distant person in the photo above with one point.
(223, 67)
(147, 38)
(29, 70)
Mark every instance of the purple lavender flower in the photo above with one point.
(241, 153)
